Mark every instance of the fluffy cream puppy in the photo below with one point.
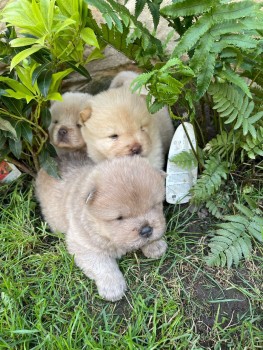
(106, 210)
(161, 118)
(64, 130)
(117, 123)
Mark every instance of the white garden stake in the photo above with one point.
(179, 180)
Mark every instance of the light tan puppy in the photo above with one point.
(106, 210)
(161, 118)
(117, 123)
(64, 130)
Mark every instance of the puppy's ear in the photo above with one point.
(85, 114)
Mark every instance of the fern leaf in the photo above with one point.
(215, 172)
(234, 78)
(185, 159)
(139, 6)
(213, 209)
(187, 8)
(234, 10)
(193, 34)
(202, 50)
(205, 75)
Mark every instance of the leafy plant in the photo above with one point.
(43, 43)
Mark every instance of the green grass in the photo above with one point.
(176, 302)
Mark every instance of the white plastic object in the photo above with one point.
(179, 180)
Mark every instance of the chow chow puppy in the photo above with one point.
(64, 129)
(106, 210)
(162, 117)
(116, 123)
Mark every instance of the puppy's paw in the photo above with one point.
(112, 288)
(155, 249)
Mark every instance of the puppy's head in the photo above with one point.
(125, 202)
(117, 123)
(64, 130)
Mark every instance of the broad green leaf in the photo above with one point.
(23, 42)
(5, 125)
(38, 70)
(57, 78)
(24, 54)
(49, 165)
(15, 147)
(80, 69)
(88, 35)
(45, 116)
(26, 132)
(44, 81)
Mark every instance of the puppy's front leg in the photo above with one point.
(102, 268)
(154, 249)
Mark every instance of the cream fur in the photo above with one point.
(103, 210)
(65, 115)
(162, 117)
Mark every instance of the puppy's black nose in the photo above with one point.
(136, 149)
(62, 131)
(146, 231)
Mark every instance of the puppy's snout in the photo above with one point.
(62, 132)
(136, 149)
(146, 231)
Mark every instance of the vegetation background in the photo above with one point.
(207, 291)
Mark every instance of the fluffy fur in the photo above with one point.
(64, 130)
(117, 123)
(106, 210)
(161, 118)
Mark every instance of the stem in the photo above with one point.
(192, 147)
(21, 166)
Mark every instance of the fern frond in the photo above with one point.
(213, 209)
(223, 144)
(186, 8)
(254, 145)
(232, 104)
(214, 174)
(185, 159)
(193, 34)
(205, 75)
(232, 240)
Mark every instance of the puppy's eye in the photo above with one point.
(79, 125)
(143, 128)
(113, 137)
(119, 218)
(55, 121)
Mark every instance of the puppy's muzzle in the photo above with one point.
(146, 231)
(62, 133)
(136, 149)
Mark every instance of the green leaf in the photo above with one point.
(57, 78)
(187, 8)
(80, 69)
(15, 147)
(234, 78)
(23, 42)
(5, 125)
(44, 82)
(24, 54)
(88, 35)
(49, 164)
(39, 70)
(26, 132)
(45, 117)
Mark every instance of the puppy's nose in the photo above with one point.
(62, 131)
(136, 149)
(146, 231)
